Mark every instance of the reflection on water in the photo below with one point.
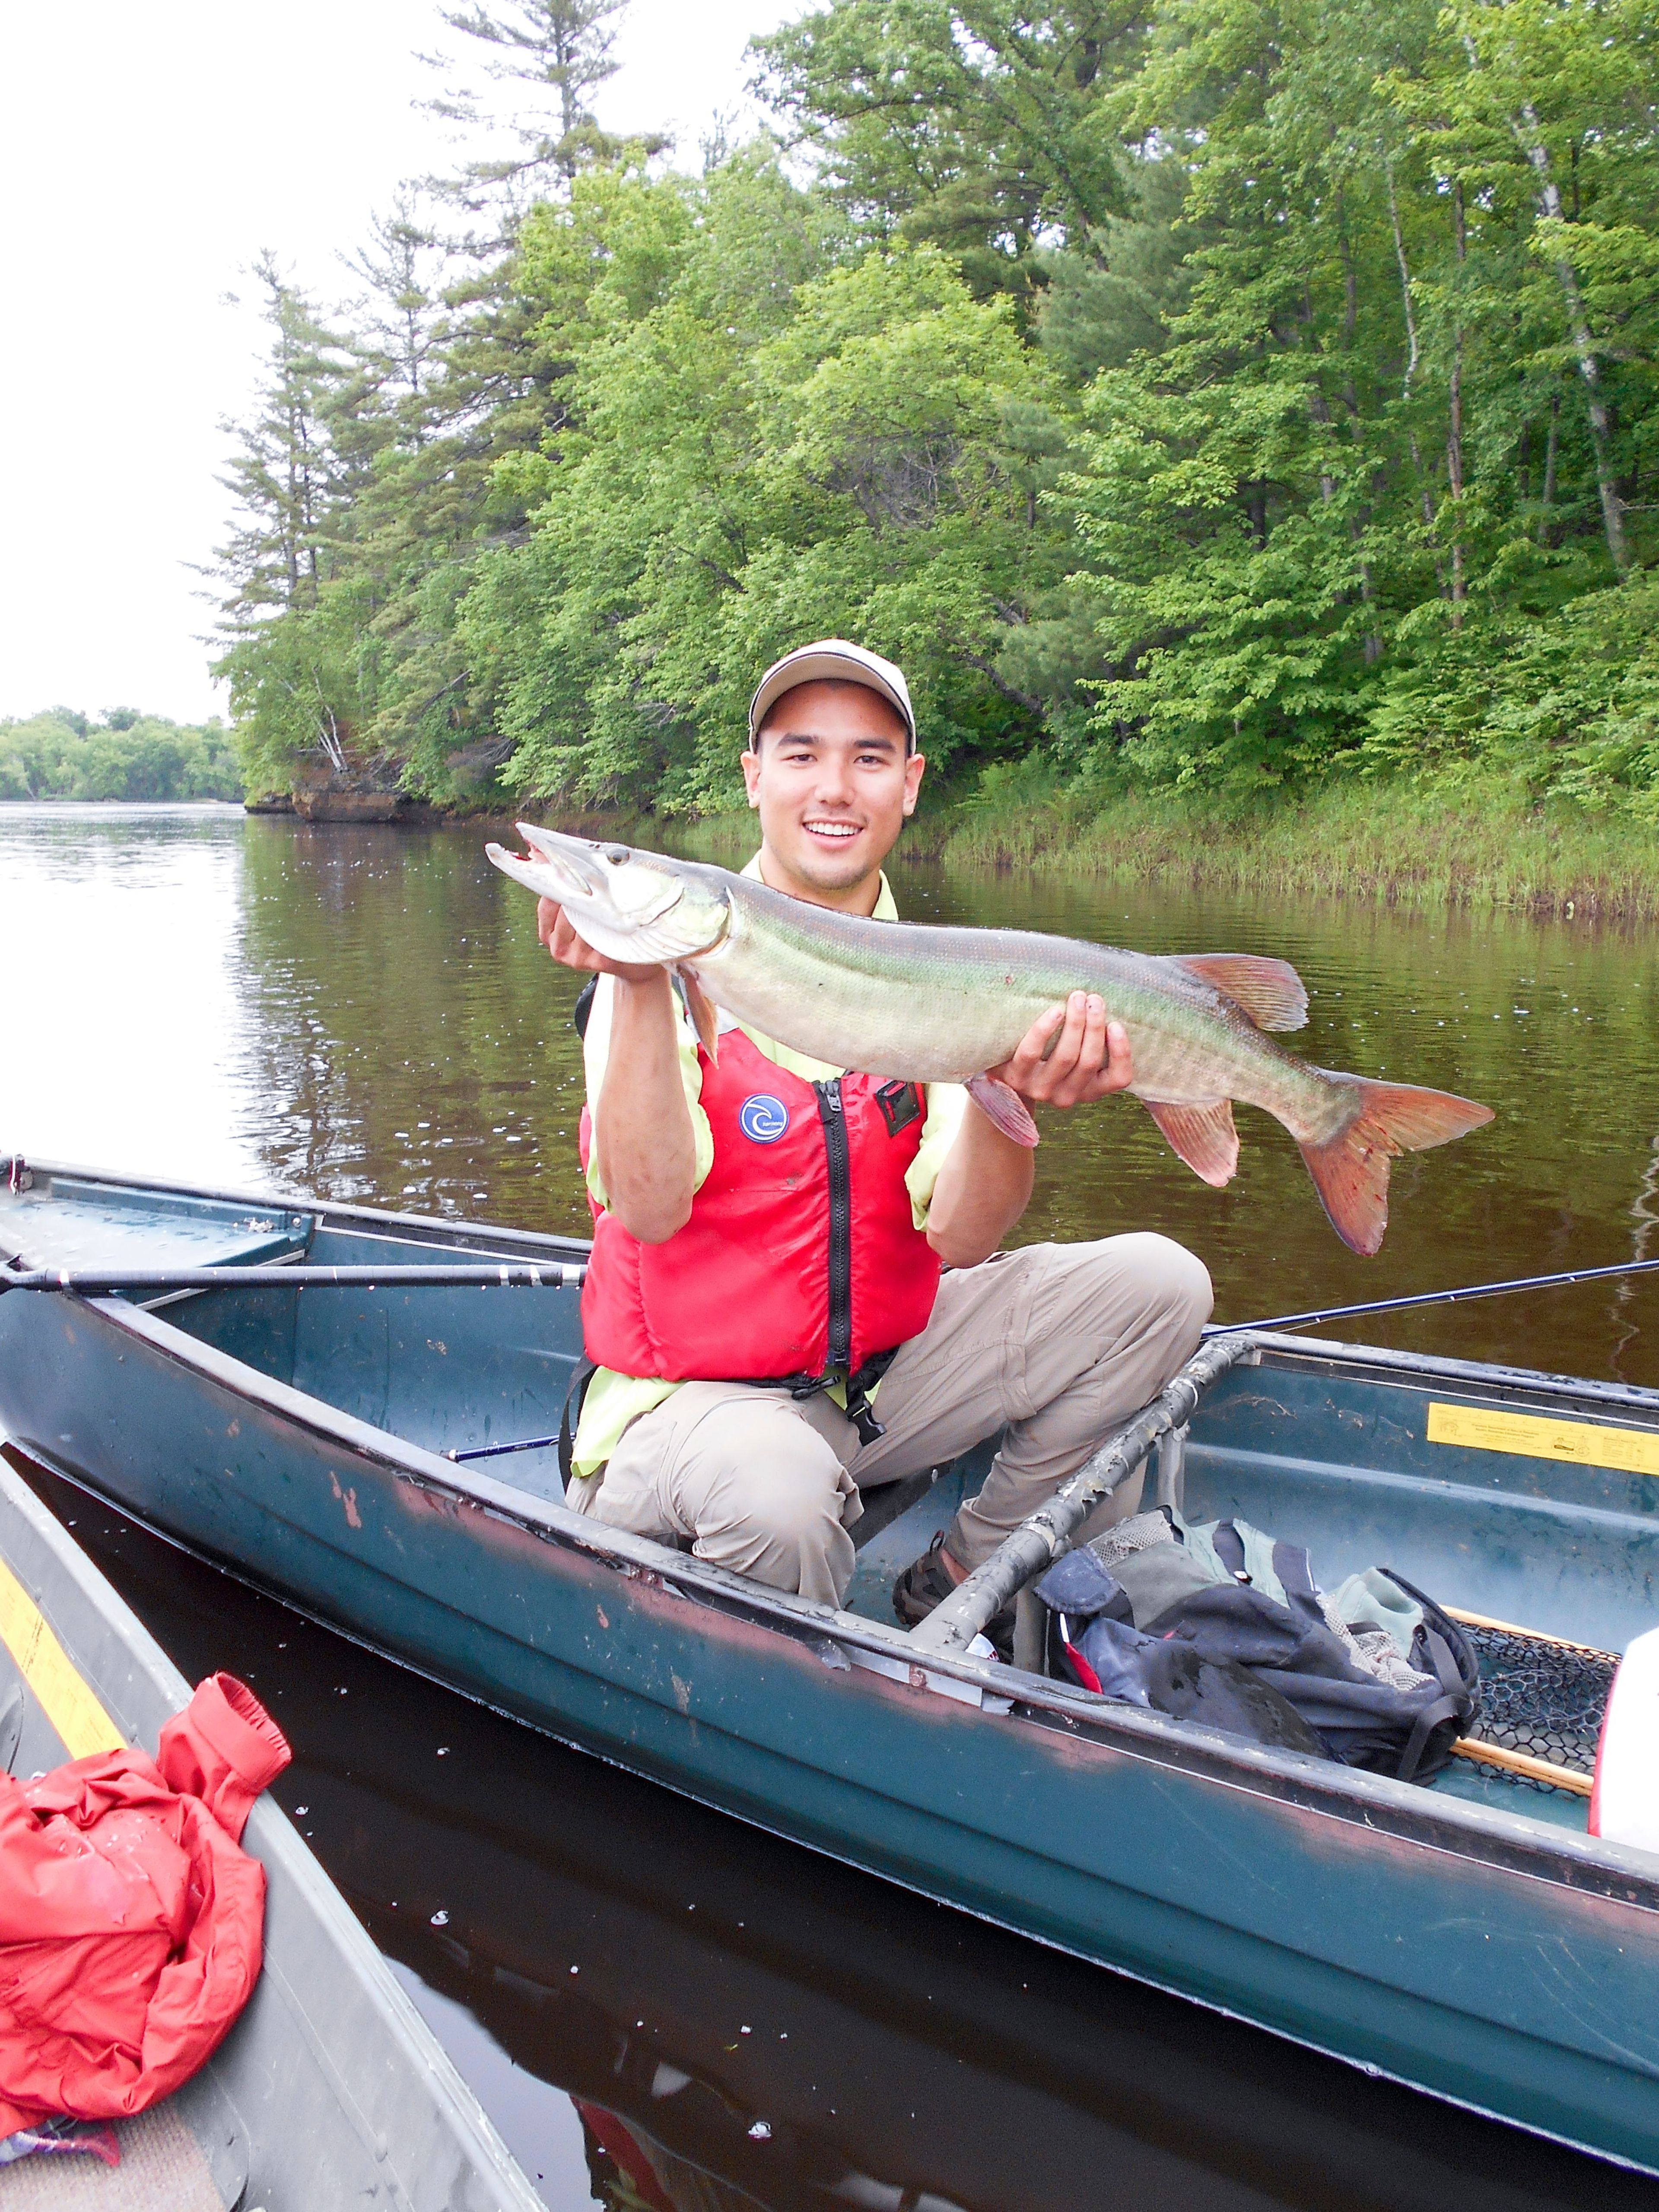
(661, 2008)
(364, 1012)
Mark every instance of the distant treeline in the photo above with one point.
(61, 754)
(1190, 393)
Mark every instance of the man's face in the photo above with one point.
(833, 783)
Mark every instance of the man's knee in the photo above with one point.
(1176, 1279)
(1141, 1278)
(768, 1501)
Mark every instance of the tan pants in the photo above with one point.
(1051, 1346)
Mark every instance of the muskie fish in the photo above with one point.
(926, 1004)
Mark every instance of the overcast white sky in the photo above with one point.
(147, 154)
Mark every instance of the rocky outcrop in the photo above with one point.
(324, 793)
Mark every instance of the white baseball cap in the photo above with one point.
(832, 659)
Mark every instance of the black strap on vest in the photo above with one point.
(570, 1414)
(1229, 1547)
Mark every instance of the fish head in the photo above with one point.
(626, 903)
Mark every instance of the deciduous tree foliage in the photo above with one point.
(1200, 391)
(61, 754)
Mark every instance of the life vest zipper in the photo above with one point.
(839, 1361)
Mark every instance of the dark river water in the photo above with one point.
(658, 2007)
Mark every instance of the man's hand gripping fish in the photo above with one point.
(926, 1004)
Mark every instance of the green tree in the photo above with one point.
(981, 129)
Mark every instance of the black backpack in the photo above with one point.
(1376, 1675)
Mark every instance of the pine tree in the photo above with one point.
(560, 49)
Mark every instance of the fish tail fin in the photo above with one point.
(1350, 1172)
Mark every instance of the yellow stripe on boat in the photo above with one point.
(67, 1701)
(1533, 1435)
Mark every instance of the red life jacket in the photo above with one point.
(801, 1257)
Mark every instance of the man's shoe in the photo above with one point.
(926, 1582)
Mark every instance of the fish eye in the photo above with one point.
(615, 853)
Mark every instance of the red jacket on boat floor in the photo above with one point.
(130, 1917)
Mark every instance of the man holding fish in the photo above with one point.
(796, 1291)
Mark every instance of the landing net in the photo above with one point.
(1544, 1698)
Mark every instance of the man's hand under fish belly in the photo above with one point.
(1070, 1056)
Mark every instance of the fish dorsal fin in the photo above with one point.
(698, 1005)
(1271, 991)
(1203, 1136)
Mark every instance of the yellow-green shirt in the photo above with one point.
(613, 1400)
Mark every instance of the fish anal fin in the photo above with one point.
(699, 1005)
(1271, 991)
(1203, 1135)
(1004, 1107)
(1350, 1172)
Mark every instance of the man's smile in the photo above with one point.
(835, 826)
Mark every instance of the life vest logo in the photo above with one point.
(763, 1118)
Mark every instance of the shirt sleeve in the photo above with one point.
(946, 1104)
(595, 1047)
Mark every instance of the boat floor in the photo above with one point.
(161, 2169)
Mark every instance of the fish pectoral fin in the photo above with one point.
(1004, 1107)
(1271, 991)
(1203, 1136)
(699, 1005)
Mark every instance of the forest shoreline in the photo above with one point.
(1475, 843)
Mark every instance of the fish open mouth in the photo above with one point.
(629, 905)
(574, 862)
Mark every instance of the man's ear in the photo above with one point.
(913, 768)
(752, 769)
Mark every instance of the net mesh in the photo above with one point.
(1544, 1699)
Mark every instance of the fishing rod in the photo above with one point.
(158, 1282)
(1438, 1297)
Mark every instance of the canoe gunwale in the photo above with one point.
(1456, 1827)
(1484, 1377)
(59, 1578)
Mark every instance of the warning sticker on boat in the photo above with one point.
(1533, 1435)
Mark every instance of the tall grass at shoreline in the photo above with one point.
(1477, 842)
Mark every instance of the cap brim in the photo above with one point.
(818, 668)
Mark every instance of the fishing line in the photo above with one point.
(1439, 1298)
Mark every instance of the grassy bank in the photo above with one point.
(1475, 844)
